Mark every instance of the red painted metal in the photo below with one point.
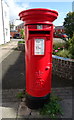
(38, 67)
(38, 15)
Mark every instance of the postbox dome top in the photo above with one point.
(38, 16)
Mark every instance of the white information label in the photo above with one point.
(39, 47)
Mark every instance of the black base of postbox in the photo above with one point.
(36, 102)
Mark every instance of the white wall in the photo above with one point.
(1, 26)
(4, 23)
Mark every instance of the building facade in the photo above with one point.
(4, 23)
(13, 32)
(59, 29)
(19, 27)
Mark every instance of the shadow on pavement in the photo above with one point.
(60, 82)
(13, 71)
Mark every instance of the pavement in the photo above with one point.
(13, 82)
(12, 107)
(6, 49)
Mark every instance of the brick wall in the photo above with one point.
(63, 67)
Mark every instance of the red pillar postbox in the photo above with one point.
(38, 51)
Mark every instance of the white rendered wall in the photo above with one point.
(1, 26)
(6, 22)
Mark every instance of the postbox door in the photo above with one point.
(39, 66)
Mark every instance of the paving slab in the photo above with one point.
(67, 108)
(6, 49)
(63, 92)
(10, 95)
(10, 103)
(9, 110)
(23, 110)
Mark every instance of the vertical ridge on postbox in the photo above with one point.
(38, 57)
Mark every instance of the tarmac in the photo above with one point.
(13, 82)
